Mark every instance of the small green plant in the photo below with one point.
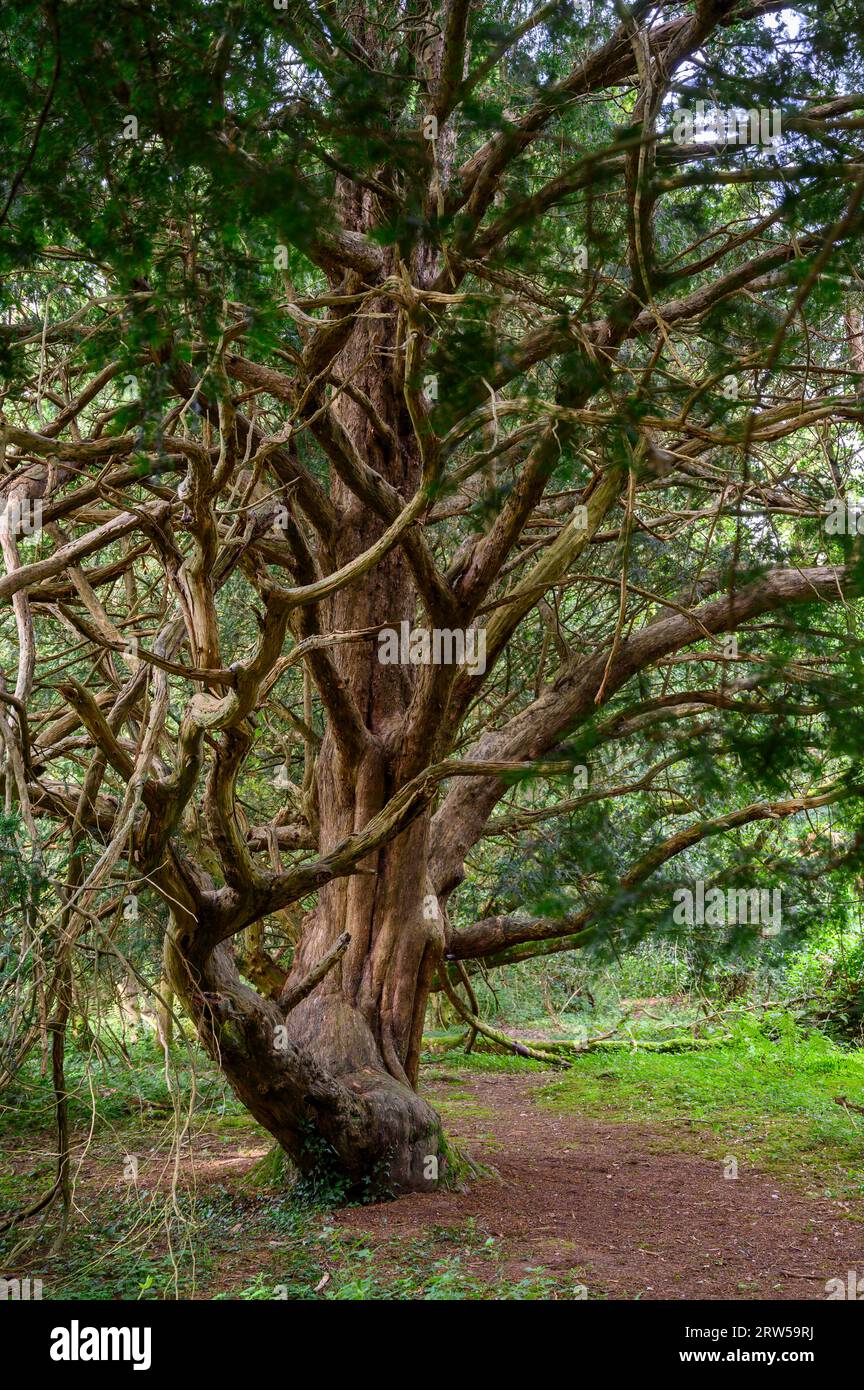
(324, 1183)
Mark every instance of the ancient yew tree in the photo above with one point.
(421, 426)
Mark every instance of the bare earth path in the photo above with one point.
(614, 1207)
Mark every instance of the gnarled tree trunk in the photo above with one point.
(334, 1078)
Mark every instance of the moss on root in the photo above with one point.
(274, 1170)
(460, 1169)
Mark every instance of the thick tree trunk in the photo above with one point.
(342, 1090)
(316, 1080)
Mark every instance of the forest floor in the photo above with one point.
(625, 1210)
(612, 1180)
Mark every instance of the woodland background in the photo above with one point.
(314, 321)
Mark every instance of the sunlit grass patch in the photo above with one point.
(773, 1097)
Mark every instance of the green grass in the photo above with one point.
(112, 1088)
(766, 1099)
(458, 1262)
(234, 1241)
(444, 1064)
(302, 1255)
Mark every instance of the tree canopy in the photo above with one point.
(527, 333)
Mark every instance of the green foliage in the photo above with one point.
(768, 1097)
(157, 258)
(323, 1183)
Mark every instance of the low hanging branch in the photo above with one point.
(494, 1034)
(296, 990)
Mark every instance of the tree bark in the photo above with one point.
(343, 1089)
(316, 1080)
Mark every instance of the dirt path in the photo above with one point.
(599, 1200)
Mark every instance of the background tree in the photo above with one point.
(452, 316)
